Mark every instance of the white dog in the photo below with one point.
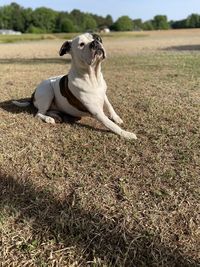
(80, 93)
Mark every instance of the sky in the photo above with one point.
(144, 9)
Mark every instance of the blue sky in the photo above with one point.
(145, 9)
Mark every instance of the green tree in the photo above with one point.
(179, 24)
(1, 18)
(77, 18)
(108, 21)
(11, 17)
(45, 19)
(193, 21)
(67, 26)
(6, 17)
(148, 26)
(28, 18)
(83, 21)
(17, 18)
(89, 23)
(137, 24)
(123, 23)
(34, 29)
(103, 22)
(100, 21)
(64, 23)
(160, 22)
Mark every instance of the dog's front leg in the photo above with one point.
(100, 116)
(113, 114)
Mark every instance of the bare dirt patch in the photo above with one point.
(77, 195)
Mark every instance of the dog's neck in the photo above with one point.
(93, 72)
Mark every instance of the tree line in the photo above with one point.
(46, 20)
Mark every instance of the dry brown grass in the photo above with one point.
(77, 195)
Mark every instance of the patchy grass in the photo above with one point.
(25, 37)
(37, 37)
(77, 195)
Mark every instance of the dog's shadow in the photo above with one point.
(10, 107)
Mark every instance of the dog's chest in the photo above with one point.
(89, 86)
(74, 98)
(89, 89)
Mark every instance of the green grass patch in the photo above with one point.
(33, 37)
(36, 37)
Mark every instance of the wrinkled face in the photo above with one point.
(86, 49)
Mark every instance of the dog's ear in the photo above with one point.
(97, 37)
(65, 48)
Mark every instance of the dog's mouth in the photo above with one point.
(97, 53)
(100, 52)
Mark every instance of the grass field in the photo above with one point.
(78, 195)
(48, 36)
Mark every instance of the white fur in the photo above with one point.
(86, 83)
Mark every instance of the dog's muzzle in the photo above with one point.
(97, 48)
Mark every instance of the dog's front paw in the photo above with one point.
(117, 120)
(50, 120)
(57, 118)
(128, 135)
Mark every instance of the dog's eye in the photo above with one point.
(82, 44)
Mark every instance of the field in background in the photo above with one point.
(37, 37)
(112, 35)
(78, 195)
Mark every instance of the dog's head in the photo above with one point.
(86, 49)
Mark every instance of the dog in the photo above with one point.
(82, 92)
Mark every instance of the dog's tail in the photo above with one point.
(22, 104)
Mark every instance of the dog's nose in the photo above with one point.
(95, 45)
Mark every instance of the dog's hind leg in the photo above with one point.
(43, 111)
(43, 107)
(43, 99)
